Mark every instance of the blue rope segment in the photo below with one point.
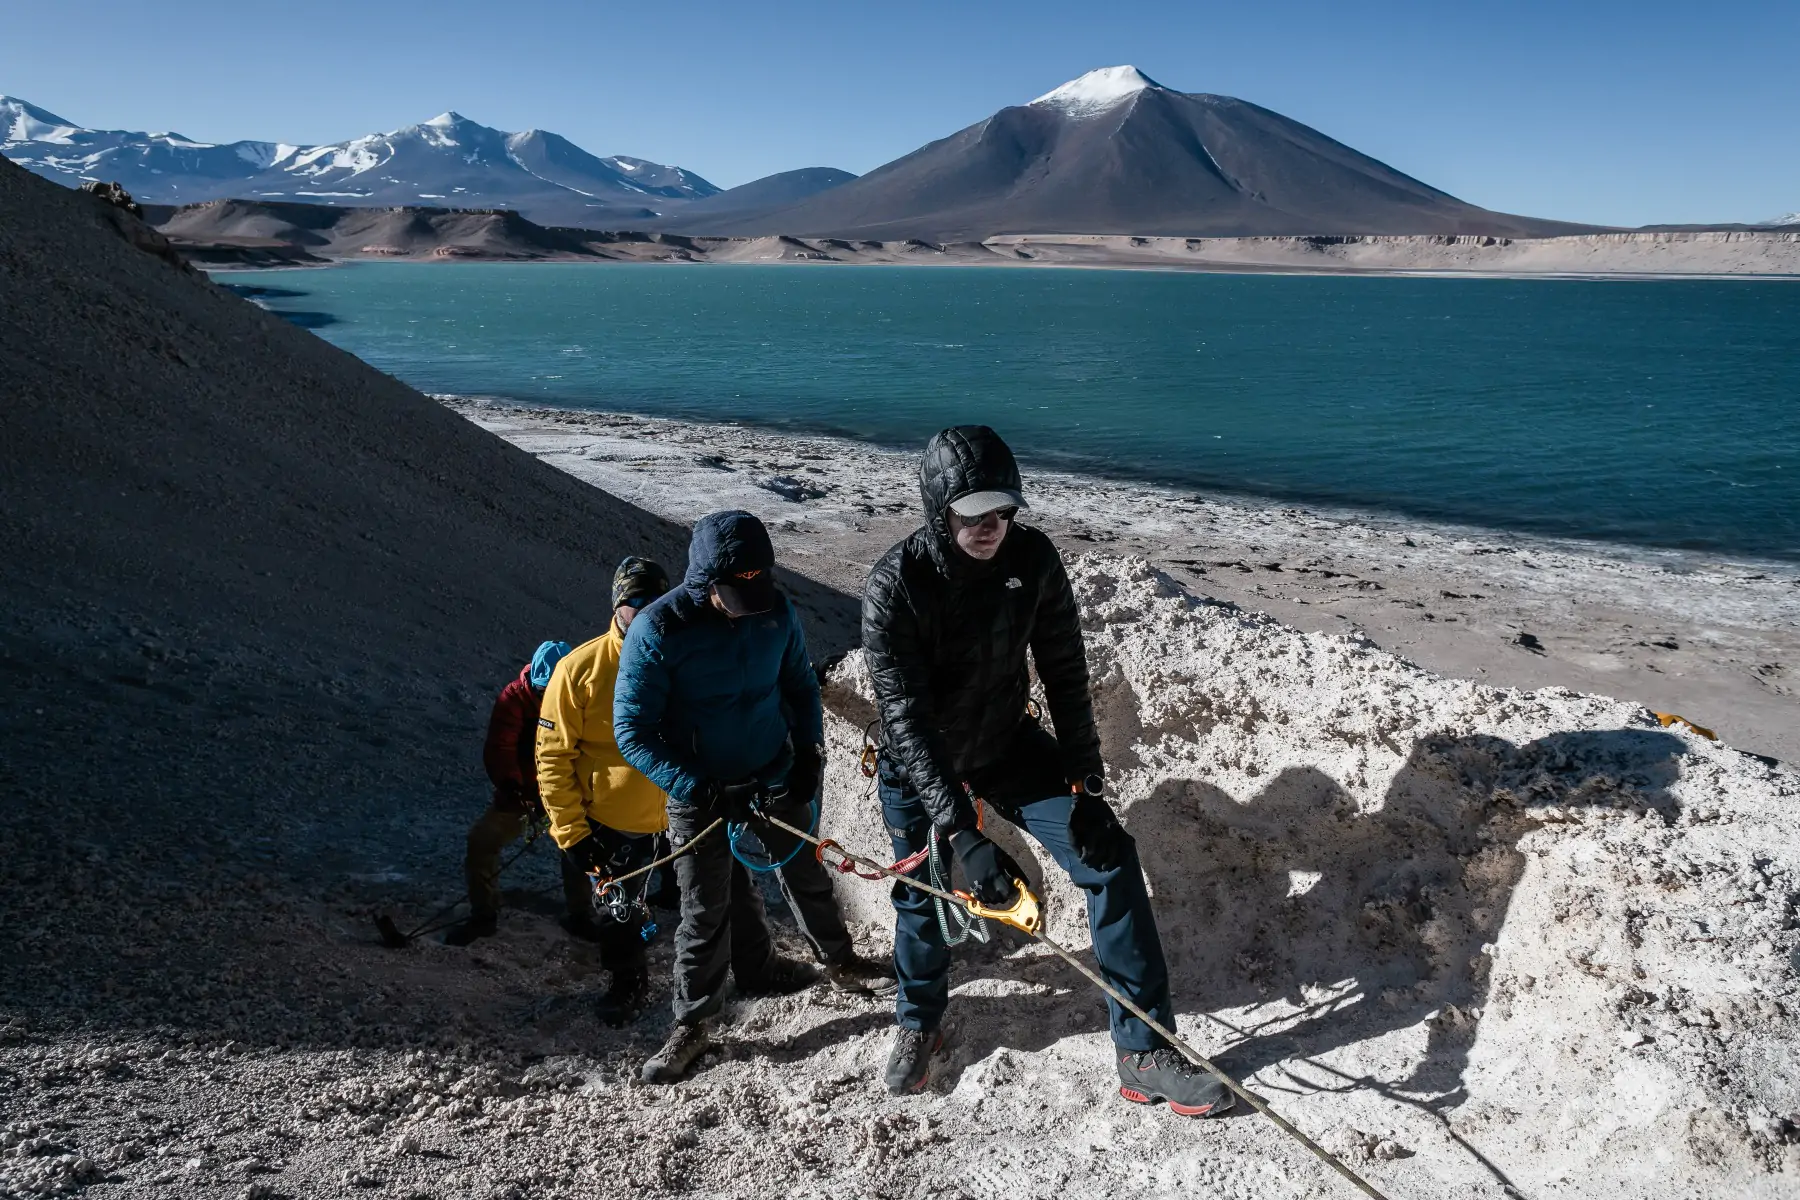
(736, 829)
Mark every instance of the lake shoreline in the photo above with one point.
(1715, 638)
(1309, 271)
(209, 236)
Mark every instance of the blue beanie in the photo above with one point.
(544, 662)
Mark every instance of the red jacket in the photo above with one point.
(510, 751)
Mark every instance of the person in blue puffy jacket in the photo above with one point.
(717, 703)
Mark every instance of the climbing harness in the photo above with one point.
(612, 897)
(738, 831)
(393, 939)
(686, 847)
(1025, 916)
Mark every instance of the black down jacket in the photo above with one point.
(946, 637)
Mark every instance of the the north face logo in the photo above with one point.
(1014, 582)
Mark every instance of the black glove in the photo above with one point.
(1099, 840)
(587, 855)
(739, 800)
(515, 800)
(806, 774)
(704, 797)
(993, 875)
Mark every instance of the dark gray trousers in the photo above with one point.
(497, 829)
(723, 926)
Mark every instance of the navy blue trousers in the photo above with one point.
(1126, 944)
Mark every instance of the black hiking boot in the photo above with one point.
(862, 976)
(625, 1000)
(478, 925)
(683, 1047)
(1162, 1074)
(783, 976)
(909, 1062)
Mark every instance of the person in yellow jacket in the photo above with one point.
(604, 815)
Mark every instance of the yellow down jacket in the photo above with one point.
(580, 771)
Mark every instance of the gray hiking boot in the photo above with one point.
(684, 1045)
(909, 1062)
(1162, 1074)
(862, 976)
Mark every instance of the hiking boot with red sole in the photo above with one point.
(909, 1062)
(1147, 1076)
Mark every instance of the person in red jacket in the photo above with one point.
(509, 755)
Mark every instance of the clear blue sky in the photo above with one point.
(1601, 111)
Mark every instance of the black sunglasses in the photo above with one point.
(1005, 514)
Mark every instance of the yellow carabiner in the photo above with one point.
(1022, 914)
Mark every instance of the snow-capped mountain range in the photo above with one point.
(447, 161)
(1111, 152)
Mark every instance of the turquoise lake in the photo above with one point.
(1656, 413)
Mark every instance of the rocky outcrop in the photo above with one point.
(125, 216)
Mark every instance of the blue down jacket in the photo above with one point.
(703, 696)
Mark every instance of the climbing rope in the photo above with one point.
(1030, 924)
(627, 877)
(735, 831)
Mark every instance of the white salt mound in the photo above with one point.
(1530, 927)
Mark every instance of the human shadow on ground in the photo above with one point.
(1365, 922)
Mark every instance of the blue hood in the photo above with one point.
(543, 663)
(726, 544)
(702, 697)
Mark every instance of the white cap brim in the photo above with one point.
(976, 503)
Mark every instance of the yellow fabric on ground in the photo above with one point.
(580, 771)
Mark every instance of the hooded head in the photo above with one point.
(543, 663)
(968, 468)
(638, 581)
(731, 551)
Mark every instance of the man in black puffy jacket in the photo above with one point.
(948, 617)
